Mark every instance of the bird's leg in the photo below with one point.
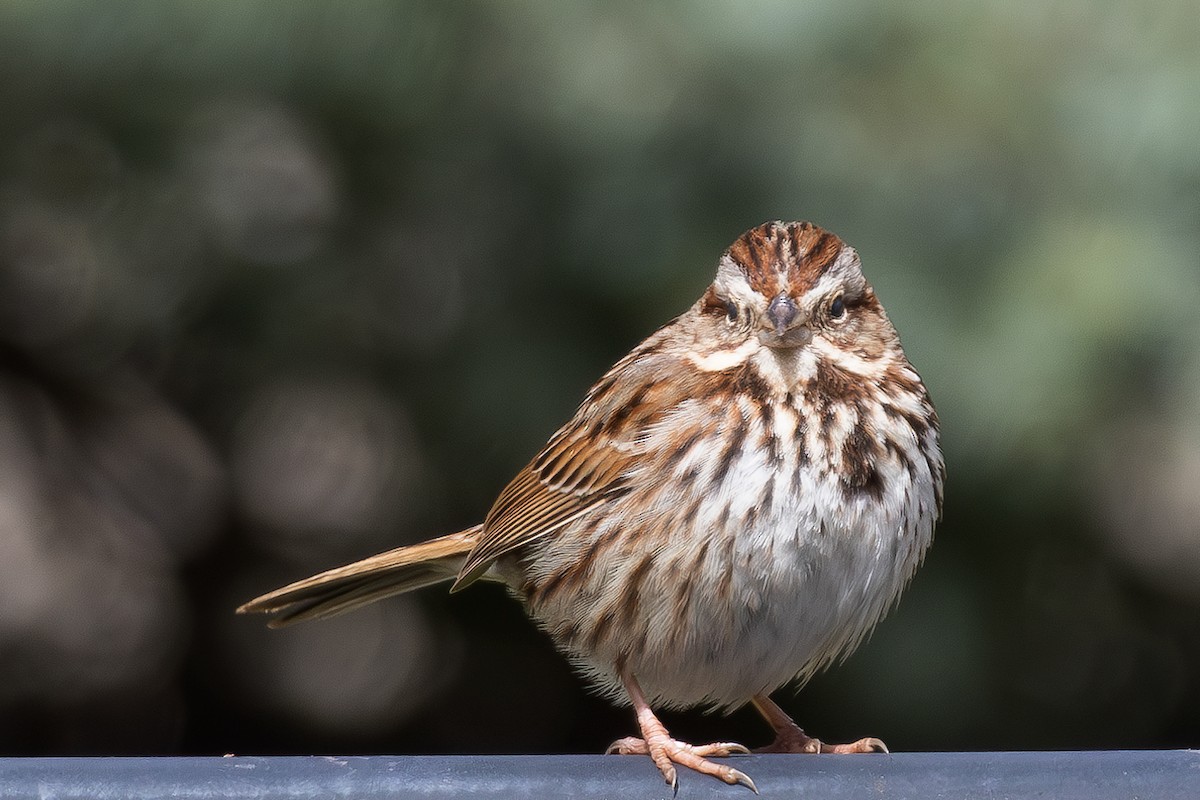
(789, 738)
(667, 752)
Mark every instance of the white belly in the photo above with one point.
(764, 582)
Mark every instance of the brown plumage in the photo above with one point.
(733, 506)
(337, 591)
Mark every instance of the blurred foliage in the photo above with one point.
(284, 284)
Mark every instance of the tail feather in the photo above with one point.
(355, 585)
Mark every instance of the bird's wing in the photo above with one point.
(587, 462)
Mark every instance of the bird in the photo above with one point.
(731, 509)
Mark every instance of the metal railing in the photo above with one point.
(1150, 775)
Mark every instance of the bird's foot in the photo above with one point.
(633, 746)
(795, 740)
(790, 738)
(667, 752)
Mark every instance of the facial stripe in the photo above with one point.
(721, 360)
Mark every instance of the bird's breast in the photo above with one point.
(742, 559)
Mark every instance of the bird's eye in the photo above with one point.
(731, 311)
(837, 308)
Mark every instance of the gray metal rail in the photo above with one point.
(1146, 775)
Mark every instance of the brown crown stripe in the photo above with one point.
(784, 257)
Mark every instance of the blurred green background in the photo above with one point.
(282, 285)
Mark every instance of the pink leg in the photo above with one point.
(667, 752)
(789, 738)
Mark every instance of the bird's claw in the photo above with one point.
(796, 741)
(669, 752)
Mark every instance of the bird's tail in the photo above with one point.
(355, 585)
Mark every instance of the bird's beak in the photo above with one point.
(781, 312)
(786, 331)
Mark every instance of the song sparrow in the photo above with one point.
(732, 507)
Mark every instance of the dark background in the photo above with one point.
(282, 285)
